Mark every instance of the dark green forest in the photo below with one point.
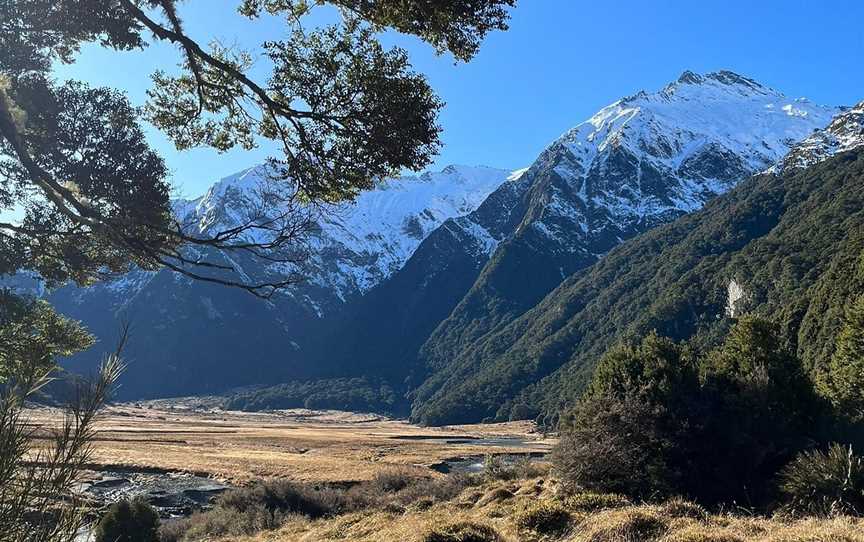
(791, 242)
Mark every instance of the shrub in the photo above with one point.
(463, 531)
(284, 497)
(616, 445)
(824, 484)
(626, 434)
(591, 502)
(128, 522)
(657, 421)
(543, 517)
(265, 506)
(495, 467)
(843, 380)
(395, 479)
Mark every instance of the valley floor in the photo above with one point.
(315, 446)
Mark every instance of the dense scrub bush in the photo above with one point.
(222, 522)
(128, 522)
(624, 436)
(283, 497)
(394, 479)
(463, 531)
(824, 483)
(265, 506)
(658, 421)
(436, 489)
(544, 517)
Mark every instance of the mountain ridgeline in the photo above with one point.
(479, 294)
(190, 337)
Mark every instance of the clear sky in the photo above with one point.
(561, 61)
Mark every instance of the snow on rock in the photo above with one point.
(384, 226)
(846, 132)
(352, 246)
(661, 154)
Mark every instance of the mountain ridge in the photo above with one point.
(639, 162)
(795, 227)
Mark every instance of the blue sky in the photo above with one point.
(560, 62)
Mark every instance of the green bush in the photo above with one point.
(125, 521)
(824, 484)
(543, 517)
(463, 531)
(284, 497)
(843, 380)
(659, 421)
(615, 445)
(502, 467)
(436, 489)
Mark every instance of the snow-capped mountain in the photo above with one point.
(846, 132)
(191, 324)
(658, 154)
(351, 246)
(405, 280)
(639, 162)
(642, 161)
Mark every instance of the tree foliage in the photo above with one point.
(344, 112)
(126, 521)
(92, 199)
(843, 380)
(658, 420)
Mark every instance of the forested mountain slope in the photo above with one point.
(642, 161)
(787, 246)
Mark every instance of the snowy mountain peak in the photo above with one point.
(846, 132)
(356, 244)
(724, 78)
(655, 155)
(720, 109)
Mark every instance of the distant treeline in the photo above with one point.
(353, 394)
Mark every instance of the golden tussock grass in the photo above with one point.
(520, 518)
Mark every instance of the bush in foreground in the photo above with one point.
(824, 484)
(659, 421)
(128, 522)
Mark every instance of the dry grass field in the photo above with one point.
(299, 445)
(529, 511)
